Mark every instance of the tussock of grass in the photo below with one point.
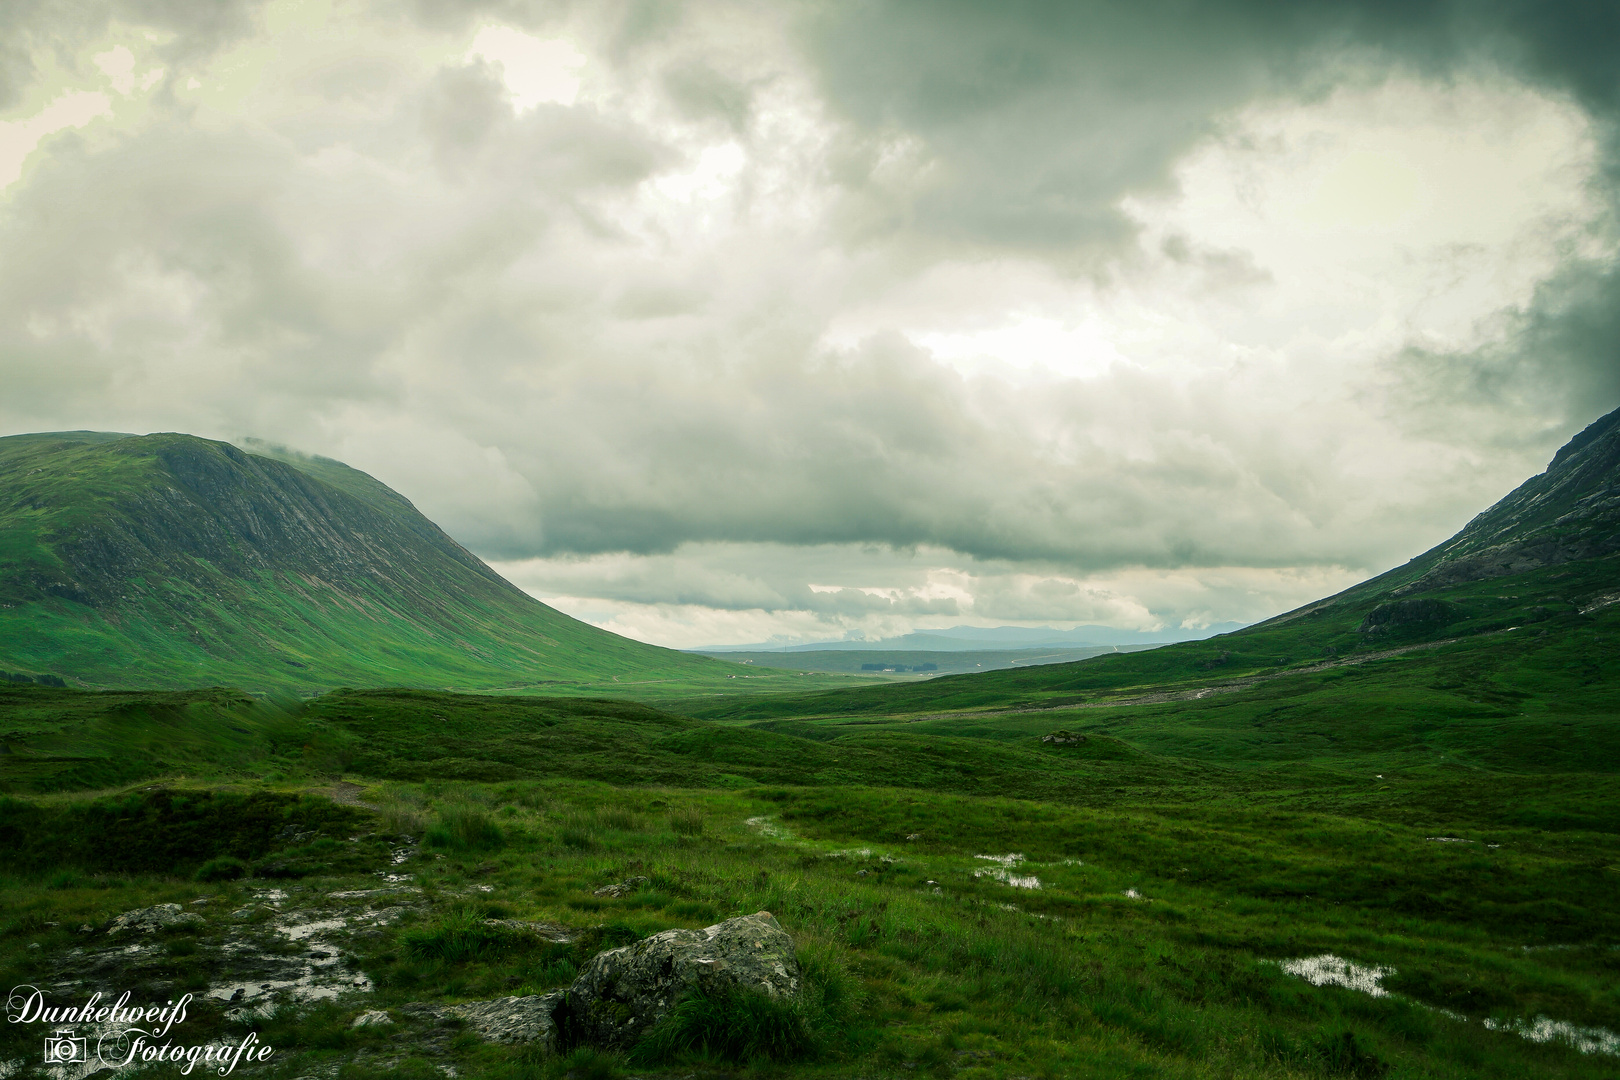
(577, 829)
(617, 817)
(686, 821)
(462, 827)
(460, 936)
(733, 1025)
(224, 868)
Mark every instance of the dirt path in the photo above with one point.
(1230, 686)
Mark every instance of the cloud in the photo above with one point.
(190, 32)
(850, 317)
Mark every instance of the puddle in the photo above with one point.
(768, 828)
(1007, 877)
(1003, 871)
(1593, 1040)
(1330, 970)
(382, 916)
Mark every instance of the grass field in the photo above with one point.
(1158, 941)
(1443, 822)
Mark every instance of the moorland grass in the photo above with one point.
(933, 968)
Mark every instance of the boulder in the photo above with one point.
(159, 917)
(625, 991)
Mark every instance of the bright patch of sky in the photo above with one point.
(536, 70)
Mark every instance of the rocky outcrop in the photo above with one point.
(623, 992)
(1398, 615)
(546, 931)
(1568, 513)
(504, 1020)
(148, 920)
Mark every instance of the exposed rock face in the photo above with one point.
(623, 992)
(503, 1020)
(1569, 512)
(1407, 614)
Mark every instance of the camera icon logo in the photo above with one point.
(63, 1048)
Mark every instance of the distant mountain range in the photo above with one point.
(1528, 591)
(989, 638)
(161, 561)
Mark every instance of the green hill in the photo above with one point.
(1517, 606)
(163, 561)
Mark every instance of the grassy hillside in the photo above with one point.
(165, 561)
(1526, 593)
(1148, 915)
(1544, 630)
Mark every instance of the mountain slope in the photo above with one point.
(168, 560)
(1539, 570)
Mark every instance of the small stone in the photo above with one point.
(622, 888)
(157, 917)
(372, 1018)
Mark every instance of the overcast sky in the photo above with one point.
(716, 322)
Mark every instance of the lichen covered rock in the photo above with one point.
(623, 992)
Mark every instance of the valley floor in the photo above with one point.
(944, 935)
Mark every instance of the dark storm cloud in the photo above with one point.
(1036, 117)
(1039, 115)
(464, 297)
